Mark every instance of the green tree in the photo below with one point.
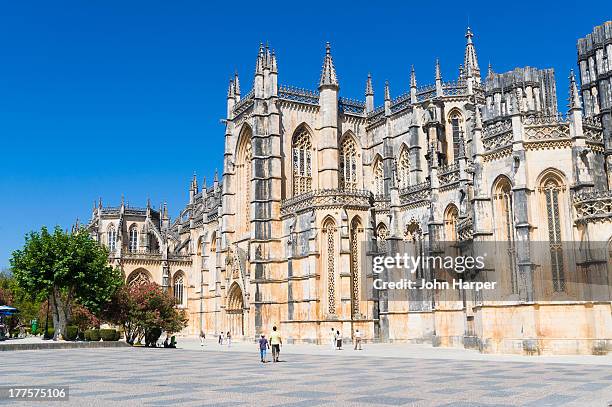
(63, 267)
(143, 308)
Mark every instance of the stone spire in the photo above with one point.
(413, 85)
(194, 183)
(328, 74)
(490, 71)
(236, 85)
(231, 90)
(273, 66)
(368, 90)
(259, 66)
(574, 96)
(470, 61)
(387, 91)
(369, 95)
(439, 91)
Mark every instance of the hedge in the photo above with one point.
(71, 333)
(50, 333)
(92, 335)
(109, 335)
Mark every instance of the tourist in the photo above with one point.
(357, 339)
(221, 338)
(332, 338)
(229, 339)
(338, 340)
(263, 345)
(276, 342)
(202, 337)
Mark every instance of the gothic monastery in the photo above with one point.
(314, 185)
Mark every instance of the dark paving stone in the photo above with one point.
(308, 394)
(552, 400)
(245, 389)
(389, 401)
(592, 386)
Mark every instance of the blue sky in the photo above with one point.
(111, 98)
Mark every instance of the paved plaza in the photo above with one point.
(390, 375)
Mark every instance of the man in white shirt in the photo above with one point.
(357, 339)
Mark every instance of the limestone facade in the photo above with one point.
(314, 185)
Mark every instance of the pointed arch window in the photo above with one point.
(348, 164)
(243, 190)
(382, 234)
(329, 230)
(414, 235)
(302, 162)
(552, 190)
(450, 223)
(133, 243)
(403, 169)
(179, 289)
(112, 238)
(379, 177)
(355, 262)
(456, 122)
(504, 214)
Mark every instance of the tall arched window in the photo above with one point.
(450, 223)
(179, 288)
(379, 177)
(329, 232)
(355, 262)
(112, 238)
(348, 164)
(403, 168)
(382, 233)
(414, 235)
(243, 187)
(302, 162)
(133, 243)
(504, 216)
(552, 189)
(456, 122)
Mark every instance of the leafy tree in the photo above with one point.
(143, 308)
(64, 267)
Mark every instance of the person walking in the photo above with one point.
(276, 342)
(357, 339)
(332, 338)
(338, 340)
(202, 337)
(263, 346)
(229, 339)
(221, 338)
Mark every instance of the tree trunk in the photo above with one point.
(60, 309)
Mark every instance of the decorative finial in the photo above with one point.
(369, 90)
(438, 74)
(328, 73)
(413, 82)
(574, 96)
(387, 91)
(236, 83)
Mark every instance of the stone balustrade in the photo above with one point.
(327, 199)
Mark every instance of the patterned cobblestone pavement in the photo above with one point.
(193, 377)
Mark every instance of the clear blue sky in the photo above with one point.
(104, 98)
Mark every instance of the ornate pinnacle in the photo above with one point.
(369, 91)
(236, 84)
(273, 67)
(231, 89)
(259, 66)
(413, 82)
(489, 70)
(387, 92)
(470, 61)
(328, 74)
(438, 74)
(574, 96)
